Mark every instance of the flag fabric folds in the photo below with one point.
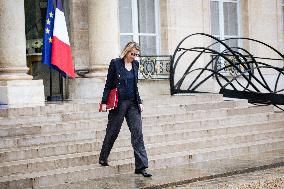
(56, 46)
(48, 33)
(61, 55)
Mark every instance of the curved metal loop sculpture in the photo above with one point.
(238, 72)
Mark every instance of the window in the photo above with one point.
(225, 21)
(283, 13)
(139, 22)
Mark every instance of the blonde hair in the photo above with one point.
(128, 47)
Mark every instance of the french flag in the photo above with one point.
(61, 55)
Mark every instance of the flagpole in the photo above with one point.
(61, 86)
(50, 84)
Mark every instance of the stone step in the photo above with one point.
(179, 108)
(94, 171)
(277, 116)
(210, 142)
(79, 159)
(213, 153)
(256, 147)
(37, 128)
(162, 148)
(25, 120)
(64, 136)
(216, 125)
(91, 115)
(47, 109)
(204, 115)
(171, 177)
(201, 114)
(79, 146)
(92, 105)
(199, 173)
(91, 134)
(86, 111)
(178, 99)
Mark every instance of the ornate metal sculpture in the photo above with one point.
(237, 71)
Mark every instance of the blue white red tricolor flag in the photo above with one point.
(56, 46)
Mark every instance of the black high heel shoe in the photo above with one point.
(103, 163)
(143, 172)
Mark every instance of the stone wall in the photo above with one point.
(261, 20)
(265, 24)
(178, 19)
(79, 33)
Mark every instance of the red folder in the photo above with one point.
(112, 100)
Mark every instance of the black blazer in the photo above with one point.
(116, 77)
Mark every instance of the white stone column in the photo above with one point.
(103, 34)
(16, 87)
(103, 27)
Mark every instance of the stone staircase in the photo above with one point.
(57, 144)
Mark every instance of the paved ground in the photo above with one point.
(265, 179)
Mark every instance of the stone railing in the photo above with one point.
(155, 67)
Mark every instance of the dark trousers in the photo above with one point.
(129, 110)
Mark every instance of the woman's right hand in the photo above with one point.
(104, 107)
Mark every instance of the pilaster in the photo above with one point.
(16, 87)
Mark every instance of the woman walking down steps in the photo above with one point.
(123, 75)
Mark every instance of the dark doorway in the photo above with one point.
(54, 84)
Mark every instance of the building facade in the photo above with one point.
(98, 30)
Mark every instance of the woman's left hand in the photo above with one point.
(141, 107)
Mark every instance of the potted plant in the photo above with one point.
(37, 46)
